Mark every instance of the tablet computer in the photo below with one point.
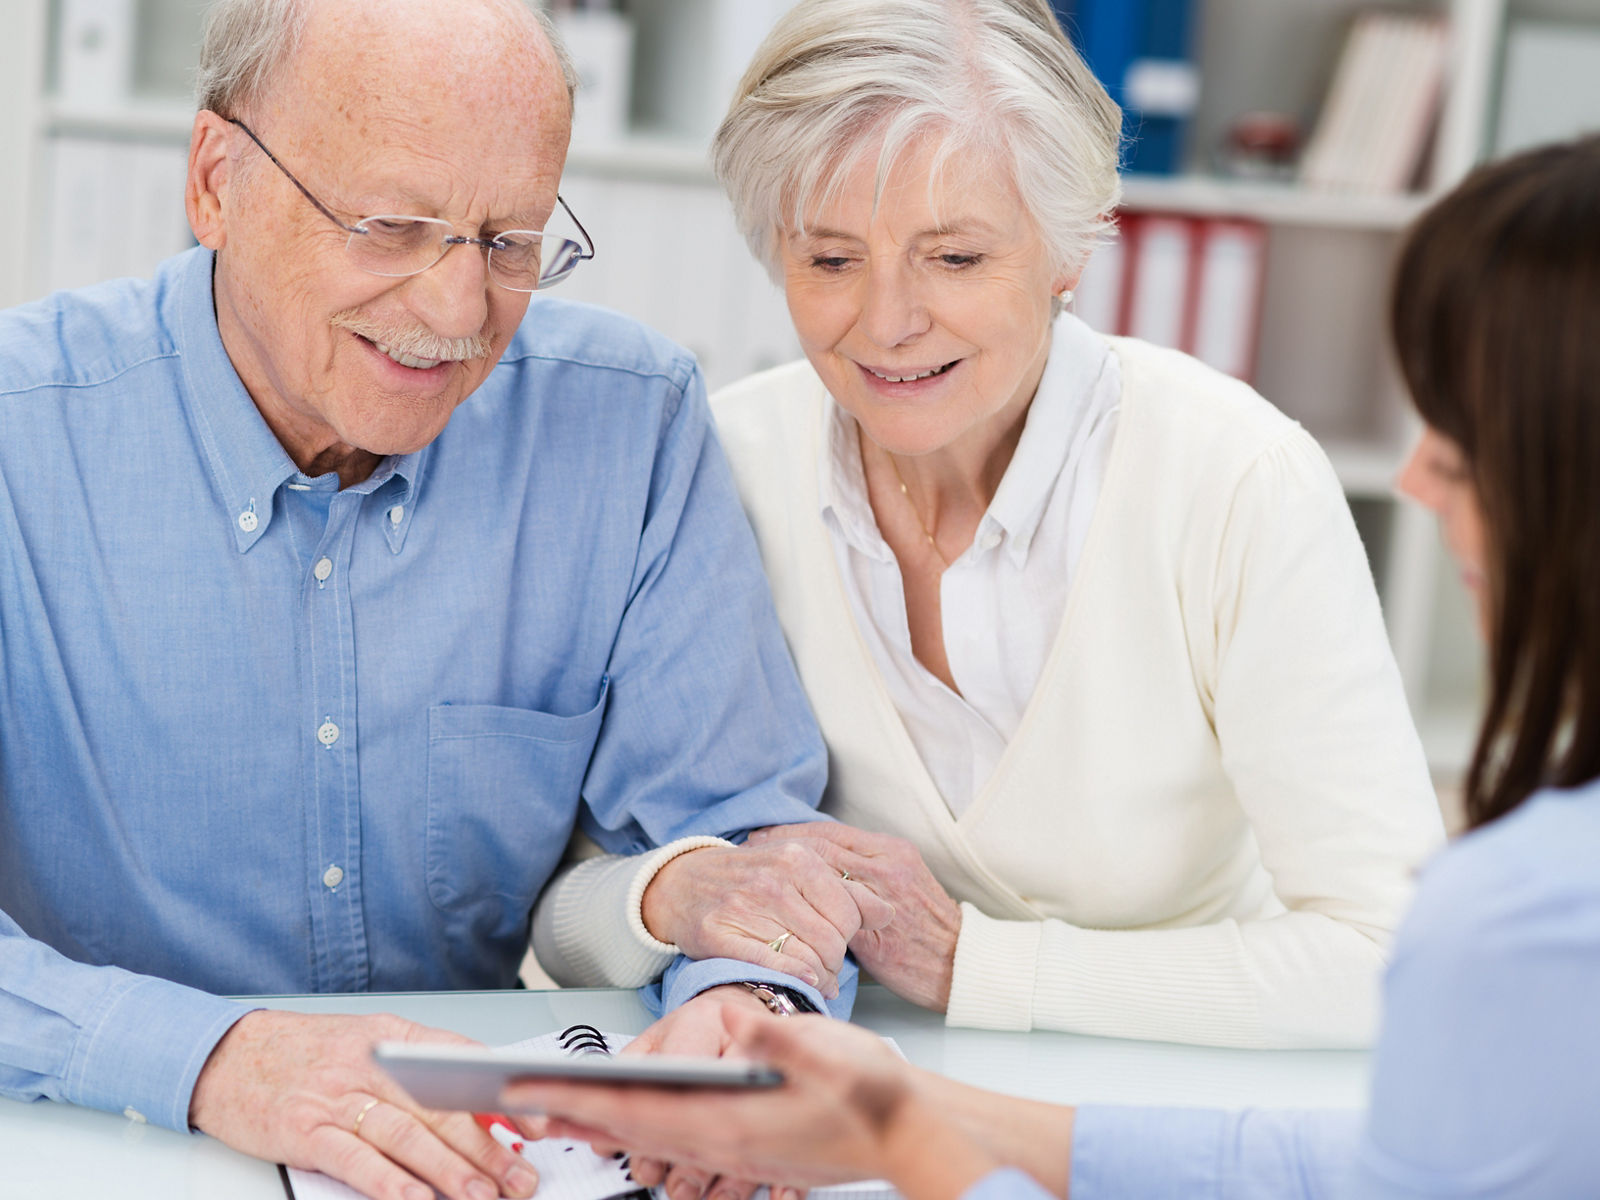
(472, 1078)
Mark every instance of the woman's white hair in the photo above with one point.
(247, 42)
(996, 77)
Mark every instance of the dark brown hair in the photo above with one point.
(1496, 321)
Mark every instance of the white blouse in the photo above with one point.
(1003, 600)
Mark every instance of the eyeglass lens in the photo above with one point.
(519, 259)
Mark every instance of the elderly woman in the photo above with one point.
(1112, 719)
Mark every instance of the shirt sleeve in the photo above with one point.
(1484, 1082)
(1316, 738)
(1205, 1154)
(707, 732)
(102, 1037)
(1007, 1183)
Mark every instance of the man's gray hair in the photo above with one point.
(986, 76)
(247, 42)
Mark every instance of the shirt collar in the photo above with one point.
(842, 483)
(247, 462)
(1067, 406)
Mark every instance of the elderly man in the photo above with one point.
(333, 595)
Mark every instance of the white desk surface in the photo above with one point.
(57, 1150)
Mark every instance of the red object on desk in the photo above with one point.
(500, 1128)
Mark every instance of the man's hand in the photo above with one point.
(289, 1088)
(734, 901)
(913, 955)
(697, 1028)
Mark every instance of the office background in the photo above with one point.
(1279, 148)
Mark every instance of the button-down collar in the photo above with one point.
(247, 462)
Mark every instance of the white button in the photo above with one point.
(327, 733)
(397, 514)
(991, 540)
(248, 521)
(323, 569)
(333, 877)
(134, 1115)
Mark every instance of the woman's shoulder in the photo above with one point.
(1188, 398)
(1199, 432)
(1530, 868)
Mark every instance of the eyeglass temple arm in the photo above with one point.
(318, 204)
(579, 224)
(323, 208)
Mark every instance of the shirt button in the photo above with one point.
(134, 1115)
(327, 733)
(397, 514)
(248, 521)
(323, 569)
(333, 877)
(991, 540)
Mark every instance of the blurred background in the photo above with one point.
(1276, 150)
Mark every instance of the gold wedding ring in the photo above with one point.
(362, 1115)
(776, 944)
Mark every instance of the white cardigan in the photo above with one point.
(1205, 827)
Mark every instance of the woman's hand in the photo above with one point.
(849, 1108)
(914, 954)
(735, 901)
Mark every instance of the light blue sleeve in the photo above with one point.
(1209, 1154)
(1487, 1075)
(687, 977)
(1008, 1183)
(101, 1037)
(707, 729)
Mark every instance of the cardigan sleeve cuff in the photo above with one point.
(992, 984)
(592, 932)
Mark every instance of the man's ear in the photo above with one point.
(205, 195)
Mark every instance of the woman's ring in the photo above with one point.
(844, 875)
(362, 1115)
(776, 944)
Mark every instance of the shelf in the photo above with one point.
(164, 120)
(1271, 203)
(662, 158)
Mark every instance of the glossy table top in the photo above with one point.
(57, 1150)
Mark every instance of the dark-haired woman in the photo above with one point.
(1487, 1076)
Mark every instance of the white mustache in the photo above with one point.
(413, 342)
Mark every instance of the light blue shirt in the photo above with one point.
(260, 735)
(1486, 1079)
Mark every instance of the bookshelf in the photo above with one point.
(669, 254)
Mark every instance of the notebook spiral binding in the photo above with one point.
(583, 1039)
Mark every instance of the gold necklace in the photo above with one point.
(893, 466)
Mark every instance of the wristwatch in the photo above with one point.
(778, 1000)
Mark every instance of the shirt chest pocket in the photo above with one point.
(503, 787)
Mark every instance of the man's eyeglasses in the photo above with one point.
(522, 260)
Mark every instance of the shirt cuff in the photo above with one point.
(687, 978)
(144, 1051)
(992, 979)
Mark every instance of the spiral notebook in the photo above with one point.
(569, 1170)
